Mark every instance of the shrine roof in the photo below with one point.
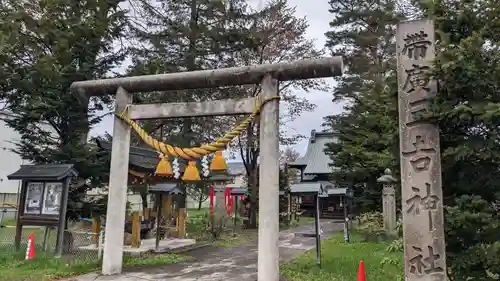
(146, 160)
(44, 172)
(239, 191)
(316, 161)
(236, 168)
(245, 192)
(304, 188)
(142, 158)
(169, 188)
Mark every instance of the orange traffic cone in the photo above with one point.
(361, 271)
(30, 250)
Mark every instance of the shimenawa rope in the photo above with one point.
(194, 152)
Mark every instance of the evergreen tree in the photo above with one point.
(188, 35)
(466, 111)
(363, 33)
(45, 47)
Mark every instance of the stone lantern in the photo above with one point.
(388, 201)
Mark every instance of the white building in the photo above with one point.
(9, 163)
(238, 173)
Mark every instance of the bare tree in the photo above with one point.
(280, 37)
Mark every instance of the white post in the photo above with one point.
(268, 250)
(117, 195)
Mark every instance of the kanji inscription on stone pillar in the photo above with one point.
(422, 204)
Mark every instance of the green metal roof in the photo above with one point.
(316, 161)
(315, 187)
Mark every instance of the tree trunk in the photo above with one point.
(144, 198)
(200, 202)
(254, 203)
(187, 132)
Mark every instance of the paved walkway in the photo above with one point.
(222, 264)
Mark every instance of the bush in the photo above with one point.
(396, 246)
(472, 246)
(208, 225)
(371, 226)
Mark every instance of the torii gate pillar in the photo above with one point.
(268, 249)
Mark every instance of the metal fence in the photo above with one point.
(8, 207)
(79, 244)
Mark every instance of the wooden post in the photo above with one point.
(62, 218)
(268, 250)
(136, 230)
(147, 213)
(167, 215)
(421, 192)
(45, 237)
(96, 229)
(181, 226)
(159, 218)
(20, 213)
(317, 228)
(117, 196)
(167, 208)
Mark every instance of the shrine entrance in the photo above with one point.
(265, 105)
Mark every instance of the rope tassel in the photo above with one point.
(191, 172)
(163, 169)
(218, 162)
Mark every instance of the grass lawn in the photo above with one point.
(198, 213)
(13, 267)
(46, 267)
(340, 262)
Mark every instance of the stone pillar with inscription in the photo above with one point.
(421, 191)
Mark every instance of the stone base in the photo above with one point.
(149, 245)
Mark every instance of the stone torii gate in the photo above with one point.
(267, 76)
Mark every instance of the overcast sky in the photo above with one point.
(318, 18)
